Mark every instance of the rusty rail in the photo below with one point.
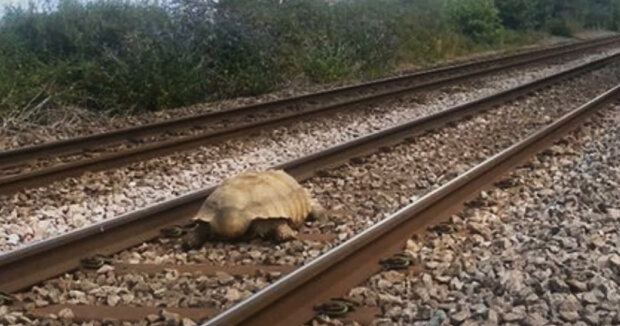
(116, 159)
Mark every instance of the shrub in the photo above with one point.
(478, 19)
(241, 60)
(615, 20)
(327, 42)
(559, 27)
(517, 14)
(425, 32)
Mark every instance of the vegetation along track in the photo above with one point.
(40, 164)
(400, 167)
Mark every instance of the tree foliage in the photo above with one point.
(559, 15)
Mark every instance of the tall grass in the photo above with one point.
(129, 56)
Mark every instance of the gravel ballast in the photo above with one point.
(540, 248)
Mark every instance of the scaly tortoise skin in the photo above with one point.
(264, 204)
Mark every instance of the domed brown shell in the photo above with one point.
(232, 207)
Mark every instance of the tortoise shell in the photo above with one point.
(248, 196)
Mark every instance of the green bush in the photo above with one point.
(559, 27)
(241, 62)
(517, 14)
(614, 24)
(478, 19)
(326, 42)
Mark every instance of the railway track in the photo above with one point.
(41, 164)
(293, 299)
(128, 240)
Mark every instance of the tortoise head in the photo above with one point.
(230, 223)
(197, 236)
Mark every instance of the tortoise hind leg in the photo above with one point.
(196, 237)
(277, 229)
(284, 232)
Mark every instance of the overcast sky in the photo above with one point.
(4, 3)
(18, 2)
(25, 2)
(13, 2)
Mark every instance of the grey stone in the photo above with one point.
(534, 319)
(424, 313)
(480, 310)
(557, 285)
(569, 309)
(460, 316)
(591, 318)
(492, 318)
(438, 318)
(614, 261)
(577, 286)
(590, 298)
(514, 315)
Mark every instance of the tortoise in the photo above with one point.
(266, 204)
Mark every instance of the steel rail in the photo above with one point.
(115, 159)
(290, 300)
(45, 259)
